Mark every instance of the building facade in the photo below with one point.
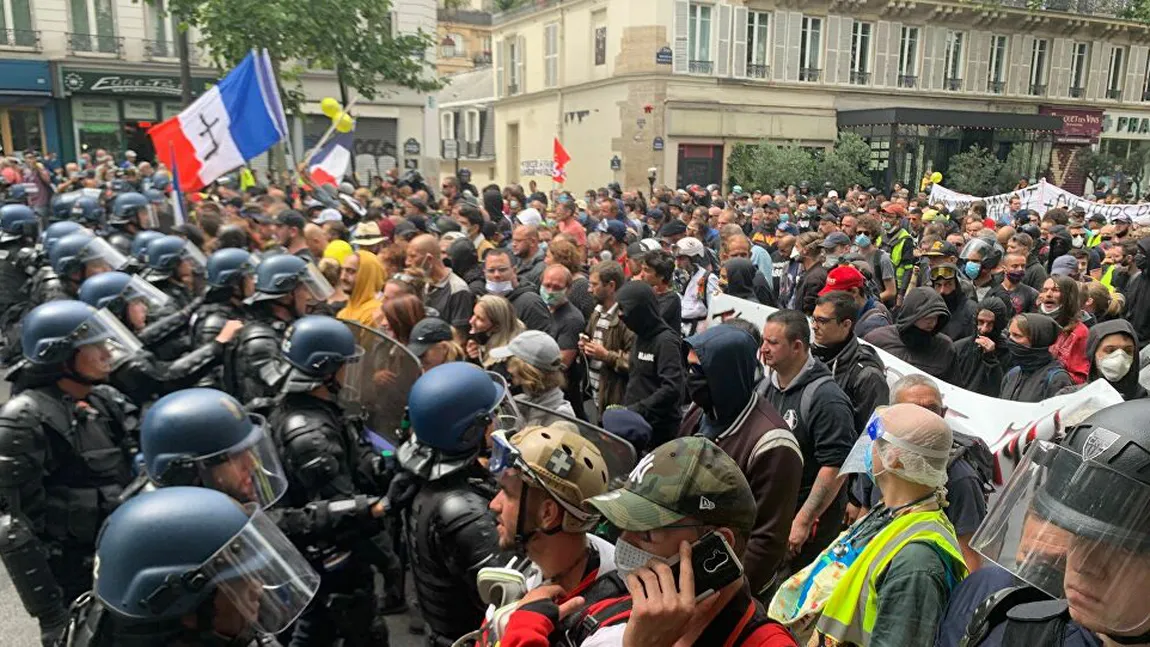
(673, 84)
(467, 125)
(463, 36)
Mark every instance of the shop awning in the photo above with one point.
(951, 118)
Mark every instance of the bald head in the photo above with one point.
(424, 244)
(556, 277)
(316, 239)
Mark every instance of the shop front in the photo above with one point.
(908, 142)
(27, 117)
(376, 139)
(114, 111)
(1080, 130)
(1126, 137)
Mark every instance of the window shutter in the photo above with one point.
(1135, 68)
(500, 85)
(739, 48)
(794, 44)
(1060, 51)
(932, 42)
(779, 42)
(832, 26)
(843, 69)
(881, 43)
(1099, 59)
(977, 61)
(894, 49)
(521, 64)
(682, 28)
(1021, 52)
(723, 57)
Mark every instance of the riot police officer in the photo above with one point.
(190, 567)
(284, 287)
(89, 212)
(323, 454)
(19, 228)
(76, 258)
(229, 279)
(40, 267)
(449, 531)
(65, 443)
(141, 377)
(174, 266)
(131, 213)
(1073, 526)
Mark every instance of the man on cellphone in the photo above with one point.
(684, 494)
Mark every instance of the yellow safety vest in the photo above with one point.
(1094, 240)
(850, 613)
(1108, 278)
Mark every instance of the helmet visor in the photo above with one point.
(104, 330)
(262, 574)
(250, 472)
(140, 291)
(1078, 530)
(318, 286)
(193, 254)
(505, 414)
(100, 255)
(354, 374)
(855, 462)
(146, 217)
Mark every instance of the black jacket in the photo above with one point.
(931, 352)
(1138, 300)
(979, 371)
(1038, 375)
(861, 375)
(1036, 274)
(962, 316)
(656, 381)
(1128, 384)
(807, 292)
(529, 307)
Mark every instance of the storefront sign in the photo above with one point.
(169, 110)
(616, 163)
(95, 110)
(1078, 126)
(140, 110)
(81, 82)
(1126, 125)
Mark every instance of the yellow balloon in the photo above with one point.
(936, 177)
(330, 107)
(344, 123)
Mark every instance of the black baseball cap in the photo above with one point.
(291, 218)
(426, 333)
(674, 228)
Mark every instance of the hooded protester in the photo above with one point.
(1036, 374)
(1060, 299)
(945, 279)
(744, 282)
(465, 263)
(1113, 352)
(362, 277)
(981, 359)
(916, 335)
(656, 378)
(721, 376)
(1138, 294)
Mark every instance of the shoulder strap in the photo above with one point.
(992, 612)
(806, 399)
(1050, 373)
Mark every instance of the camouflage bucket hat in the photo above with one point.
(686, 477)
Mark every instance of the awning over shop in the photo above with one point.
(25, 78)
(950, 118)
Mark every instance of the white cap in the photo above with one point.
(689, 247)
(832, 194)
(329, 215)
(529, 216)
(129, 153)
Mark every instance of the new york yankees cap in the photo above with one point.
(684, 478)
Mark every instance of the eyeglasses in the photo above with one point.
(1107, 239)
(822, 321)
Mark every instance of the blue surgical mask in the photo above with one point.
(862, 240)
(784, 217)
(972, 269)
(868, 464)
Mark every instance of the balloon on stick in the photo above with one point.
(330, 107)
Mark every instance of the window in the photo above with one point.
(699, 39)
(16, 25)
(908, 58)
(860, 52)
(601, 45)
(1038, 62)
(953, 73)
(447, 125)
(93, 27)
(996, 72)
(1115, 73)
(551, 55)
(1079, 68)
(471, 125)
(758, 44)
(1146, 82)
(811, 49)
(514, 65)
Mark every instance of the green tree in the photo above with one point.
(974, 171)
(1016, 166)
(1096, 164)
(767, 166)
(846, 163)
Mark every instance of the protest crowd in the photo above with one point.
(250, 414)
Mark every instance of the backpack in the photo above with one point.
(806, 400)
(975, 452)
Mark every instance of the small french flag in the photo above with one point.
(236, 120)
(330, 163)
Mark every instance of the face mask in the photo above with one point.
(1049, 310)
(514, 205)
(552, 299)
(543, 246)
(972, 269)
(1116, 365)
(1016, 276)
(499, 287)
(795, 253)
(804, 224)
(700, 392)
(629, 557)
(1077, 241)
(862, 240)
(784, 217)
(886, 226)
(868, 464)
(831, 261)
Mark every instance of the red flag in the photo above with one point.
(559, 160)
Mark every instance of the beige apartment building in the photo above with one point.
(630, 85)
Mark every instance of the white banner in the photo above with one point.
(1007, 427)
(1039, 198)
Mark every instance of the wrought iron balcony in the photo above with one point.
(482, 58)
(23, 38)
(512, 88)
(1077, 93)
(471, 149)
(1038, 89)
(1146, 94)
(907, 81)
(1114, 93)
(756, 71)
(1104, 8)
(810, 74)
(954, 85)
(701, 67)
(996, 87)
(860, 78)
(95, 44)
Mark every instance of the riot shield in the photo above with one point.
(618, 454)
(376, 387)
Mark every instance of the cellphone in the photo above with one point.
(714, 564)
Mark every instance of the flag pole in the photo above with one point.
(327, 135)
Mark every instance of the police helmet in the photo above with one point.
(58, 230)
(115, 290)
(318, 346)
(61, 205)
(126, 207)
(166, 253)
(17, 221)
(55, 330)
(155, 196)
(227, 266)
(140, 244)
(164, 555)
(87, 211)
(279, 275)
(458, 429)
(73, 252)
(161, 180)
(204, 437)
(17, 194)
(989, 255)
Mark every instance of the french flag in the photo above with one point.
(236, 120)
(330, 163)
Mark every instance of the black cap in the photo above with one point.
(291, 218)
(405, 229)
(256, 215)
(428, 332)
(674, 228)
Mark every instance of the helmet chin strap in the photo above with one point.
(71, 373)
(521, 537)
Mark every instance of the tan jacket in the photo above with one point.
(617, 339)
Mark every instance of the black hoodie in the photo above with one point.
(931, 352)
(1035, 375)
(529, 307)
(1128, 385)
(962, 313)
(745, 281)
(465, 264)
(656, 379)
(976, 370)
(1138, 299)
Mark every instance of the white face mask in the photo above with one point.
(499, 287)
(1116, 365)
(1078, 241)
(629, 557)
(795, 253)
(1047, 309)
